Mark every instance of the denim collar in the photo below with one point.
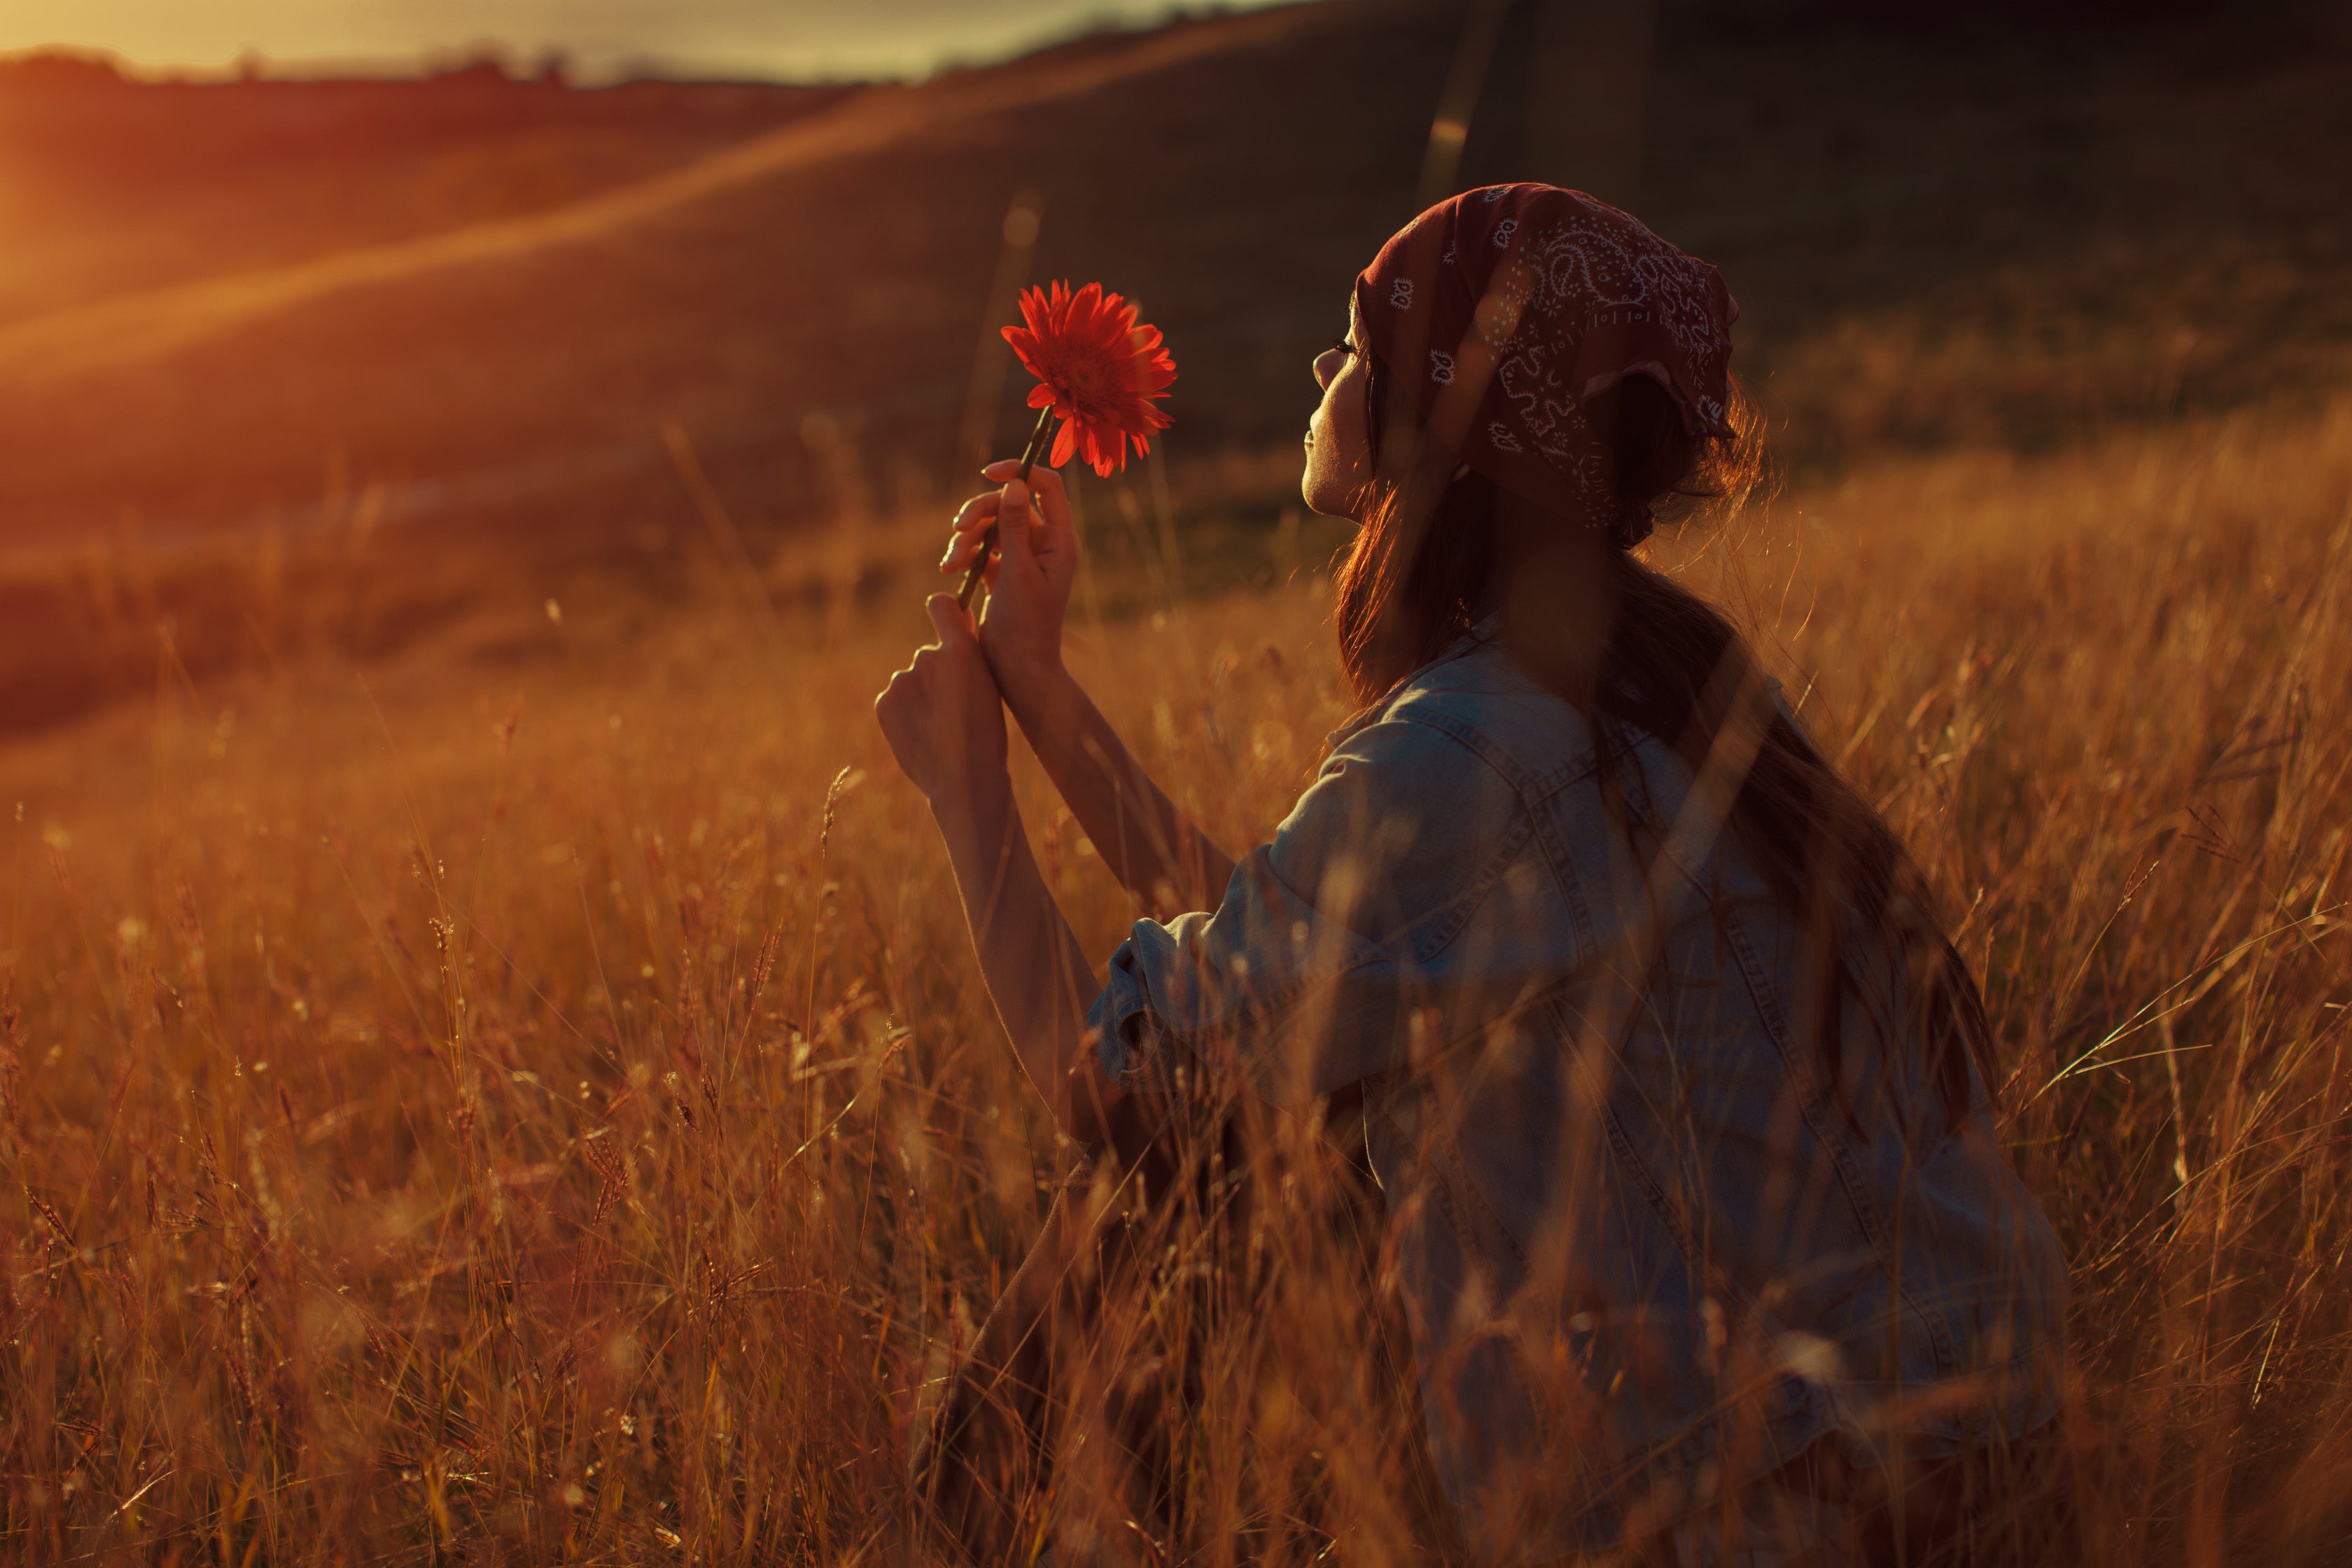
(1485, 634)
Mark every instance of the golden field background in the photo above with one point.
(491, 1066)
(489, 1110)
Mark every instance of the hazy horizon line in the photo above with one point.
(589, 67)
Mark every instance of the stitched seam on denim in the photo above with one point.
(1791, 1399)
(1624, 745)
(1425, 948)
(1471, 739)
(1263, 1011)
(1806, 1409)
(1562, 859)
(1460, 1169)
(1673, 1216)
(1627, 748)
(1817, 1117)
(1447, 920)
(1535, 784)
(1441, 1194)
(1247, 1011)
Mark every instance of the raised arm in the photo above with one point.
(1152, 846)
(944, 724)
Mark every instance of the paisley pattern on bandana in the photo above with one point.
(1564, 297)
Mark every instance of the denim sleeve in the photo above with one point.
(1309, 972)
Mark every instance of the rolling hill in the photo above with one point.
(839, 262)
(2128, 215)
(510, 312)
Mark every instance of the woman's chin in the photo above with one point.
(1327, 499)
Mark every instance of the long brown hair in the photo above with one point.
(1645, 653)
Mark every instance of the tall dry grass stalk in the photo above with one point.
(549, 1112)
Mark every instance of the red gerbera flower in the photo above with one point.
(1098, 368)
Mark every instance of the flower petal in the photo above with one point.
(1098, 367)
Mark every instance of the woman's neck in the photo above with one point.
(1554, 598)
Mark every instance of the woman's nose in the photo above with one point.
(1325, 369)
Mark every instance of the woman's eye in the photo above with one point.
(1344, 346)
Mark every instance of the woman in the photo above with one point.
(1675, 1092)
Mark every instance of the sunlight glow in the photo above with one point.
(768, 39)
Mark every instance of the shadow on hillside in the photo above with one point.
(1942, 232)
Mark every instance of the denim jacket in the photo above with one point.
(1645, 1250)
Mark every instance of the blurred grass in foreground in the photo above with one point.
(537, 1103)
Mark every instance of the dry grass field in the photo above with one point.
(486, 1107)
(490, 1066)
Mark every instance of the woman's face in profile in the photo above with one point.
(1338, 444)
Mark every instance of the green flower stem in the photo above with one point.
(1037, 449)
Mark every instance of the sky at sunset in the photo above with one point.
(734, 37)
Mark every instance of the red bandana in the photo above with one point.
(1506, 310)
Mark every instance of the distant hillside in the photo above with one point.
(492, 296)
(110, 186)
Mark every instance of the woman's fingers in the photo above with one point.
(956, 562)
(951, 621)
(972, 520)
(1042, 502)
(942, 714)
(1016, 543)
(962, 549)
(976, 513)
(1053, 499)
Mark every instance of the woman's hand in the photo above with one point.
(1029, 581)
(942, 714)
